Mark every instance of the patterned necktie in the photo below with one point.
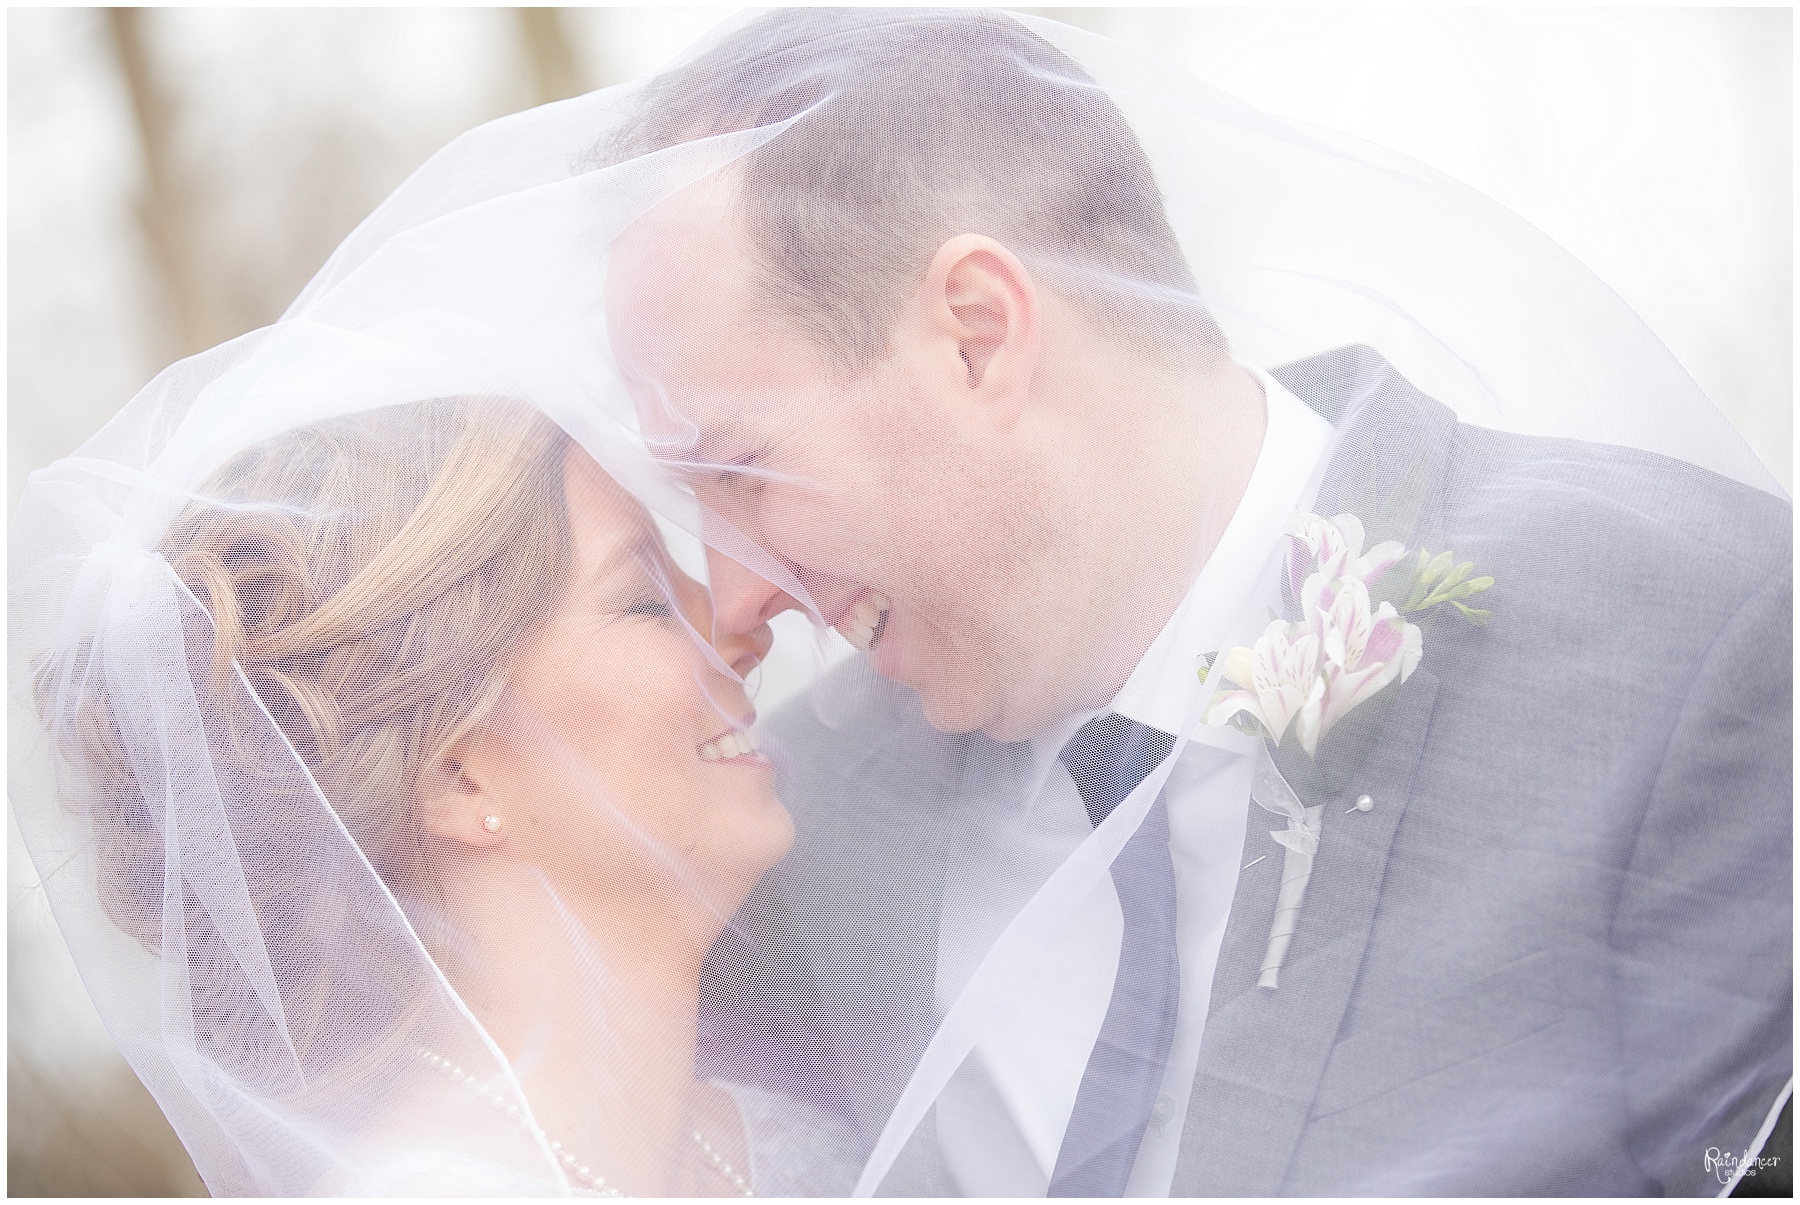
(1108, 758)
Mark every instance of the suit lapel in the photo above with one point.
(1264, 1051)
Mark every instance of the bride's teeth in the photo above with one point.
(732, 744)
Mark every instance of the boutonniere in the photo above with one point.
(1308, 675)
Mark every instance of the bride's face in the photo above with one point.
(604, 760)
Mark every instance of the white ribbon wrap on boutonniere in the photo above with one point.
(1301, 840)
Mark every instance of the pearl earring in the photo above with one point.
(491, 823)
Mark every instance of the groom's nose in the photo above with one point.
(743, 600)
(743, 651)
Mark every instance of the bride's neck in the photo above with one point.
(593, 999)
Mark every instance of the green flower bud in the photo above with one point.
(1478, 618)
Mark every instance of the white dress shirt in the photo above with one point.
(1001, 1117)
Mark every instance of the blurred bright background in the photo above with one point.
(177, 175)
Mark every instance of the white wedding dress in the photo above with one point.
(796, 1150)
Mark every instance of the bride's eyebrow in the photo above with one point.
(641, 552)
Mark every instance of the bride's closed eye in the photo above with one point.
(653, 608)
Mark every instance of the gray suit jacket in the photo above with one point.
(1554, 958)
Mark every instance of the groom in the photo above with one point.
(1544, 946)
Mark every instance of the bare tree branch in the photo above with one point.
(160, 207)
(556, 72)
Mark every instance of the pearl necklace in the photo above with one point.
(586, 1177)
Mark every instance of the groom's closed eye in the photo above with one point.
(718, 460)
(734, 474)
(721, 456)
(698, 472)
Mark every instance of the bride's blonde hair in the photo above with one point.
(371, 577)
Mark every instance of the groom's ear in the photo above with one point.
(978, 310)
(456, 799)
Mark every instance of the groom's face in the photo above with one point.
(862, 502)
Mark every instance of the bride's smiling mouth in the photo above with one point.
(733, 744)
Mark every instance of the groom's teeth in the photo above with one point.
(883, 604)
(863, 625)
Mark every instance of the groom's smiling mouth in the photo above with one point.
(864, 623)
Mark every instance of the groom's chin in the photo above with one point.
(955, 708)
(958, 692)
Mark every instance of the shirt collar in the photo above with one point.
(1162, 689)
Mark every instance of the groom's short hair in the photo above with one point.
(927, 124)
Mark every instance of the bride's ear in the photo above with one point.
(456, 803)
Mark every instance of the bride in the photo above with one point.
(474, 641)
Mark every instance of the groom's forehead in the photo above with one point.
(687, 245)
(679, 289)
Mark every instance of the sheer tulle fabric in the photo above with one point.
(268, 934)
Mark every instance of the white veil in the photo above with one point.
(300, 1009)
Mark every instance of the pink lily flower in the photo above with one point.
(1279, 677)
(1361, 652)
(1343, 651)
(1334, 546)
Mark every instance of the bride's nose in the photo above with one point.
(742, 651)
(742, 598)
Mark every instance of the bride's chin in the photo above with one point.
(758, 836)
(775, 833)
